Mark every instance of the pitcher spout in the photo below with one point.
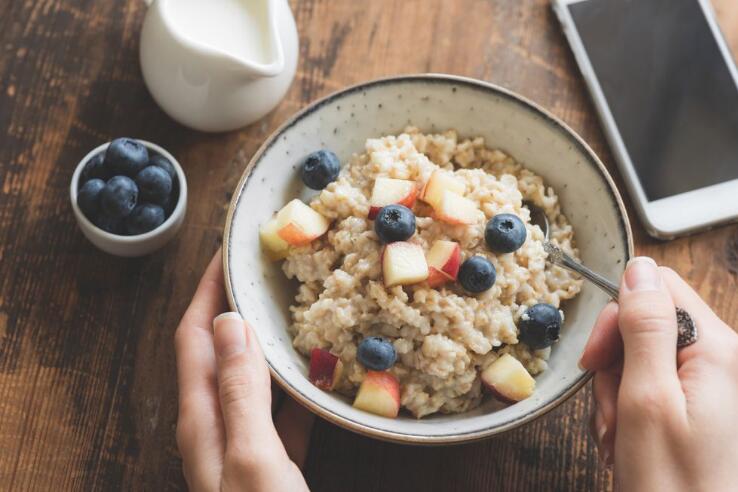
(265, 57)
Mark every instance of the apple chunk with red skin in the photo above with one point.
(298, 224)
(325, 369)
(438, 183)
(508, 380)
(403, 263)
(379, 394)
(389, 191)
(444, 260)
(455, 209)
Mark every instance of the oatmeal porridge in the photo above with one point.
(447, 302)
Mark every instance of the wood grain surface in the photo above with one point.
(87, 379)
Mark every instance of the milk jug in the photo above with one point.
(218, 65)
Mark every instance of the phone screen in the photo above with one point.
(669, 89)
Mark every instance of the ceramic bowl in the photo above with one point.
(142, 244)
(342, 122)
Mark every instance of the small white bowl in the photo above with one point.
(342, 122)
(142, 244)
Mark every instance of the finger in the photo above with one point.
(244, 390)
(193, 338)
(605, 389)
(597, 431)
(712, 331)
(200, 435)
(647, 322)
(605, 345)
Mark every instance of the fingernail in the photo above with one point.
(580, 366)
(228, 333)
(642, 274)
(230, 315)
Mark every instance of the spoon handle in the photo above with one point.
(570, 263)
(687, 330)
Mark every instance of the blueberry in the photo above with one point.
(88, 197)
(95, 169)
(394, 223)
(505, 233)
(144, 218)
(154, 184)
(109, 224)
(540, 326)
(376, 353)
(477, 274)
(162, 162)
(126, 157)
(119, 197)
(319, 169)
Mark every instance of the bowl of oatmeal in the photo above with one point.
(404, 293)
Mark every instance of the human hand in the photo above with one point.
(225, 430)
(667, 419)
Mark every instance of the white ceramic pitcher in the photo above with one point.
(218, 65)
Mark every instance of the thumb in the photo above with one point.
(243, 386)
(647, 322)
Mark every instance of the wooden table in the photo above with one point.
(87, 379)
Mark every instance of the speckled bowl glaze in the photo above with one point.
(342, 122)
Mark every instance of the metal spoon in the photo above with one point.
(686, 326)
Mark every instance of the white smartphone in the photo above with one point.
(666, 89)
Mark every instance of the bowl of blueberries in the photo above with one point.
(129, 197)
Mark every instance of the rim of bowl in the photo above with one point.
(167, 224)
(525, 104)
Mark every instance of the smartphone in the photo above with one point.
(666, 89)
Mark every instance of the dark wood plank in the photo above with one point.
(87, 389)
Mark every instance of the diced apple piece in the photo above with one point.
(455, 209)
(444, 260)
(439, 182)
(388, 191)
(403, 263)
(298, 224)
(379, 393)
(274, 246)
(508, 380)
(325, 369)
(436, 278)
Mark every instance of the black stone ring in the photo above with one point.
(686, 327)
